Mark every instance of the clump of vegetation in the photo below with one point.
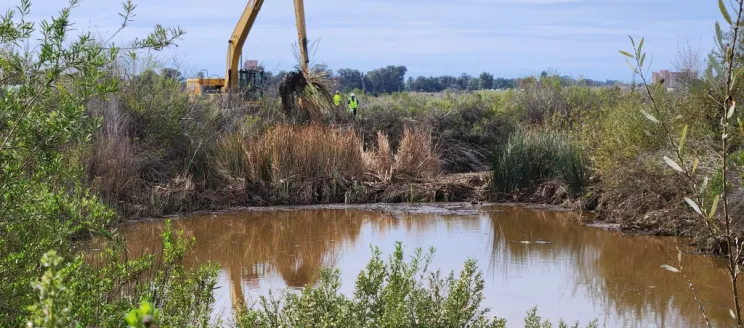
(393, 293)
(530, 158)
(98, 291)
(306, 91)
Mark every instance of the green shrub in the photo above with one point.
(532, 157)
(395, 293)
(77, 293)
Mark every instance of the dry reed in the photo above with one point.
(416, 155)
(114, 162)
(380, 161)
(290, 153)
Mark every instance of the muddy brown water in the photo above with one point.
(529, 257)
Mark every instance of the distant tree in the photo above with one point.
(171, 73)
(386, 80)
(474, 84)
(463, 81)
(427, 84)
(486, 81)
(410, 84)
(448, 82)
(349, 79)
(502, 83)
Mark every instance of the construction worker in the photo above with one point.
(353, 103)
(337, 99)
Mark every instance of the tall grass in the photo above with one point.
(287, 153)
(532, 157)
(416, 156)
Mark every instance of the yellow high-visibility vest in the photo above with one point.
(353, 103)
(337, 100)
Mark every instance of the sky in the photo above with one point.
(508, 38)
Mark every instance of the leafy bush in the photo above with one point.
(395, 293)
(80, 293)
(530, 158)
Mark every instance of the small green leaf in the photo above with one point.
(669, 268)
(693, 205)
(738, 71)
(695, 165)
(719, 35)
(724, 12)
(640, 44)
(145, 308)
(626, 53)
(631, 40)
(632, 68)
(649, 116)
(643, 59)
(682, 138)
(713, 207)
(673, 164)
(131, 318)
(716, 65)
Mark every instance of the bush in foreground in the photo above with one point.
(396, 293)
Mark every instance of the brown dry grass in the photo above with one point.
(293, 153)
(380, 161)
(113, 162)
(416, 155)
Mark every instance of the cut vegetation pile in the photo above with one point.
(306, 92)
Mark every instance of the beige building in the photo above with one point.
(671, 80)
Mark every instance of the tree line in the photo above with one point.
(392, 78)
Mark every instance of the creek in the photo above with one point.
(528, 256)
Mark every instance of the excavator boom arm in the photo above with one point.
(235, 44)
(244, 26)
(301, 33)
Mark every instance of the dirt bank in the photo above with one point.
(460, 193)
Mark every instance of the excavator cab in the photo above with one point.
(251, 80)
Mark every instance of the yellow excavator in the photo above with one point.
(249, 79)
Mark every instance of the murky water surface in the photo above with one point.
(528, 257)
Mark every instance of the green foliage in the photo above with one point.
(618, 134)
(44, 205)
(184, 297)
(77, 293)
(54, 309)
(393, 293)
(143, 316)
(530, 158)
(535, 321)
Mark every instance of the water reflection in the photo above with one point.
(620, 274)
(579, 274)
